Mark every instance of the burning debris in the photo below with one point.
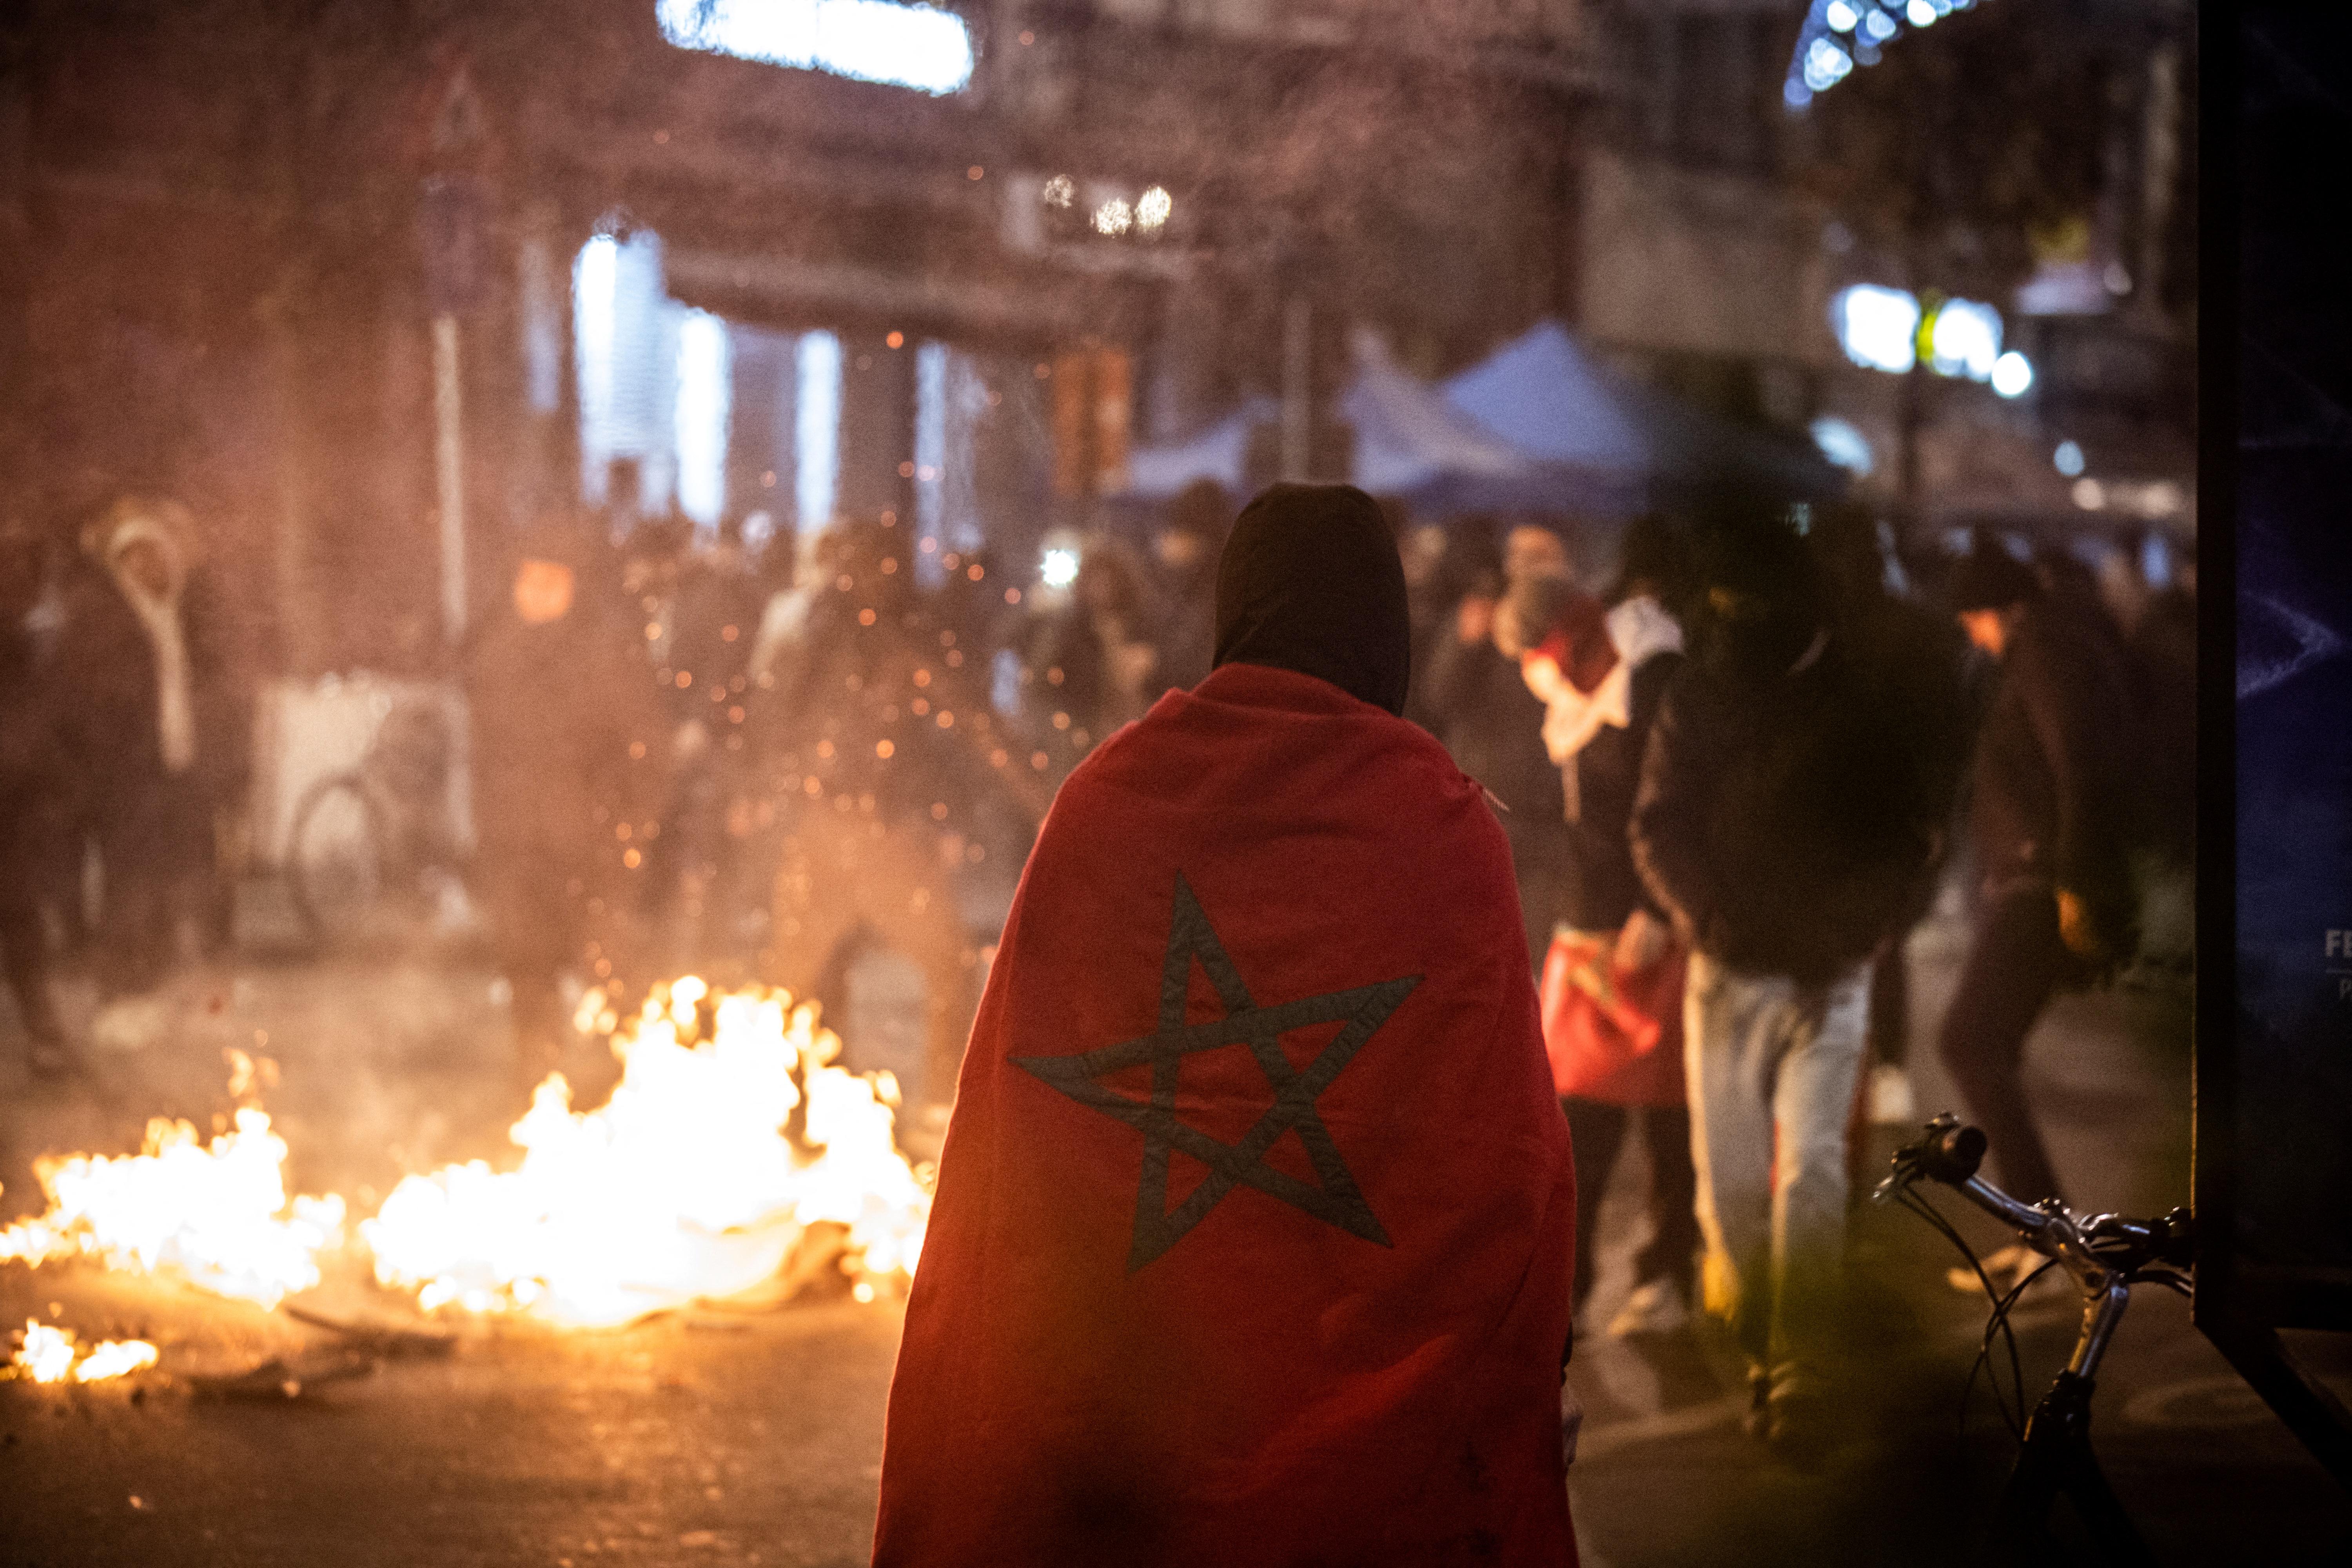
(732, 1152)
(730, 1133)
(50, 1354)
(216, 1214)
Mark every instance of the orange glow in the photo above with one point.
(683, 1186)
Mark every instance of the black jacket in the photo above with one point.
(1604, 888)
(1784, 821)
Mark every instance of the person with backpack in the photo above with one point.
(1782, 822)
(2051, 821)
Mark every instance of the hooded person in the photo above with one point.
(1783, 817)
(2047, 808)
(1254, 1228)
(153, 717)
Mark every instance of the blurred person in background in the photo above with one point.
(1494, 728)
(1612, 981)
(570, 749)
(155, 717)
(1782, 822)
(1916, 657)
(1428, 596)
(714, 620)
(1185, 550)
(37, 846)
(2049, 822)
(1117, 608)
(974, 620)
(1087, 659)
(1452, 577)
(882, 747)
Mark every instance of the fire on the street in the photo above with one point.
(732, 1139)
(51, 1355)
(730, 1134)
(216, 1214)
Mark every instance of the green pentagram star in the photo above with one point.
(1334, 1197)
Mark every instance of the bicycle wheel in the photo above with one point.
(335, 857)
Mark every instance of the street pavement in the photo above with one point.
(755, 1437)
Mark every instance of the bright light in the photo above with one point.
(1114, 217)
(1060, 568)
(1920, 13)
(1877, 327)
(1153, 208)
(1879, 26)
(1841, 443)
(1060, 191)
(2013, 375)
(1841, 16)
(2068, 459)
(868, 40)
(596, 281)
(1826, 65)
(2090, 495)
(816, 430)
(701, 415)
(1965, 340)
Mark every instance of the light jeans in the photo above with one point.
(1773, 1067)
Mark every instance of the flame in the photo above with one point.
(216, 1215)
(730, 1133)
(48, 1355)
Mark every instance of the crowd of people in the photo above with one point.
(748, 754)
(1734, 753)
(1711, 779)
(1736, 776)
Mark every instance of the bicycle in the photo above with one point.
(2107, 1254)
(374, 838)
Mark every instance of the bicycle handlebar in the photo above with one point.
(1951, 1153)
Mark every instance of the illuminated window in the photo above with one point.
(869, 40)
(817, 468)
(700, 419)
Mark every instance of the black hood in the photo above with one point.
(1310, 581)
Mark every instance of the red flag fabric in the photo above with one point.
(1615, 1035)
(1255, 1220)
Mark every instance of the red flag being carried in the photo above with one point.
(1254, 1228)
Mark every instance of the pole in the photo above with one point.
(449, 454)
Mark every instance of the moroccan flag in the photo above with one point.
(1255, 1221)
